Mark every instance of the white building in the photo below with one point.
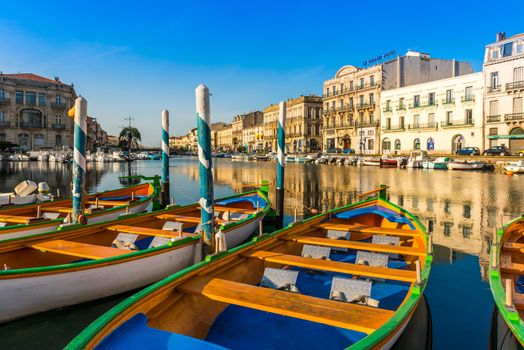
(503, 106)
(440, 116)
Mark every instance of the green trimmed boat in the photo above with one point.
(349, 278)
(506, 280)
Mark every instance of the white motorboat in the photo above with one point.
(515, 167)
(466, 165)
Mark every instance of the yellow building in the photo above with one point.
(303, 124)
(224, 138)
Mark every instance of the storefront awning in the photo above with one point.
(518, 136)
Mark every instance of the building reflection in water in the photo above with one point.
(460, 209)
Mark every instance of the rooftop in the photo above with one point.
(31, 76)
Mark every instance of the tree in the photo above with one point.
(129, 138)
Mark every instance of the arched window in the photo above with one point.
(416, 144)
(430, 144)
(30, 118)
(386, 145)
(397, 145)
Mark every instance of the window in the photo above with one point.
(416, 101)
(466, 232)
(401, 122)
(469, 116)
(386, 144)
(341, 87)
(397, 144)
(30, 118)
(401, 103)
(361, 83)
(327, 91)
(468, 92)
(507, 50)
(58, 99)
(518, 74)
(19, 96)
(447, 206)
(2, 137)
(2, 94)
(449, 117)
(494, 80)
(466, 213)
(371, 144)
(341, 104)
(431, 98)
(430, 225)
(334, 90)
(494, 107)
(388, 123)
(416, 121)
(3, 117)
(447, 229)
(58, 119)
(333, 105)
(416, 144)
(388, 105)
(517, 105)
(431, 119)
(351, 102)
(372, 80)
(41, 99)
(414, 202)
(361, 99)
(371, 99)
(401, 200)
(493, 131)
(351, 85)
(449, 96)
(30, 98)
(371, 117)
(519, 49)
(429, 204)
(495, 54)
(58, 140)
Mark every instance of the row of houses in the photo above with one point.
(410, 102)
(33, 114)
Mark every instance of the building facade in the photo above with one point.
(441, 116)
(33, 112)
(504, 92)
(245, 121)
(351, 114)
(303, 125)
(224, 138)
(96, 136)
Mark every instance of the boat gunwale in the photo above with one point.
(91, 336)
(512, 318)
(133, 255)
(17, 227)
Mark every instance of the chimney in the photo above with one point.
(57, 79)
(453, 68)
(501, 36)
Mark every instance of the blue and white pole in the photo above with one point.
(165, 192)
(203, 116)
(281, 141)
(79, 160)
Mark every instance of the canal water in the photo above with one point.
(460, 209)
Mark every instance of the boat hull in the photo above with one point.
(465, 166)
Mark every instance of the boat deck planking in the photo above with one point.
(82, 250)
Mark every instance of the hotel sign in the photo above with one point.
(379, 59)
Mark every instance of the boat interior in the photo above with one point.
(325, 283)
(512, 263)
(127, 235)
(62, 209)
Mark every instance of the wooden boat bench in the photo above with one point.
(234, 210)
(82, 250)
(19, 219)
(336, 243)
(334, 313)
(144, 231)
(183, 218)
(368, 229)
(65, 210)
(334, 266)
(110, 203)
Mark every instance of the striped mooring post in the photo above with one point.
(79, 159)
(165, 191)
(280, 164)
(203, 116)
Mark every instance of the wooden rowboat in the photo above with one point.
(27, 220)
(350, 278)
(506, 279)
(74, 265)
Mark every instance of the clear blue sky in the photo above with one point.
(137, 59)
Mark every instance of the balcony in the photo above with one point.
(58, 105)
(387, 109)
(394, 128)
(346, 125)
(453, 123)
(366, 86)
(372, 124)
(515, 86)
(401, 108)
(448, 101)
(514, 117)
(429, 104)
(23, 125)
(467, 99)
(493, 118)
(58, 126)
(493, 88)
(4, 100)
(5, 124)
(431, 125)
(365, 105)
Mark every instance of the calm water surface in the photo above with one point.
(461, 209)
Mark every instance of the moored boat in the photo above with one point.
(31, 219)
(350, 278)
(388, 161)
(84, 263)
(371, 161)
(515, 167)
(466, 165)
(438, 163)
(506, 281)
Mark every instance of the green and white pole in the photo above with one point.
(281, 159)
(165, 192)
(203, 116)
(79, 159)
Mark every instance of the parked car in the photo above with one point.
(520, 153)
(497, 151)
(468, 151)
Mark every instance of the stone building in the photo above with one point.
(441, 116)
(225, 138)
(303, 125)
(504, 91)
(241, 122)
(96, 136)
(33, 111)
(351, 116)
